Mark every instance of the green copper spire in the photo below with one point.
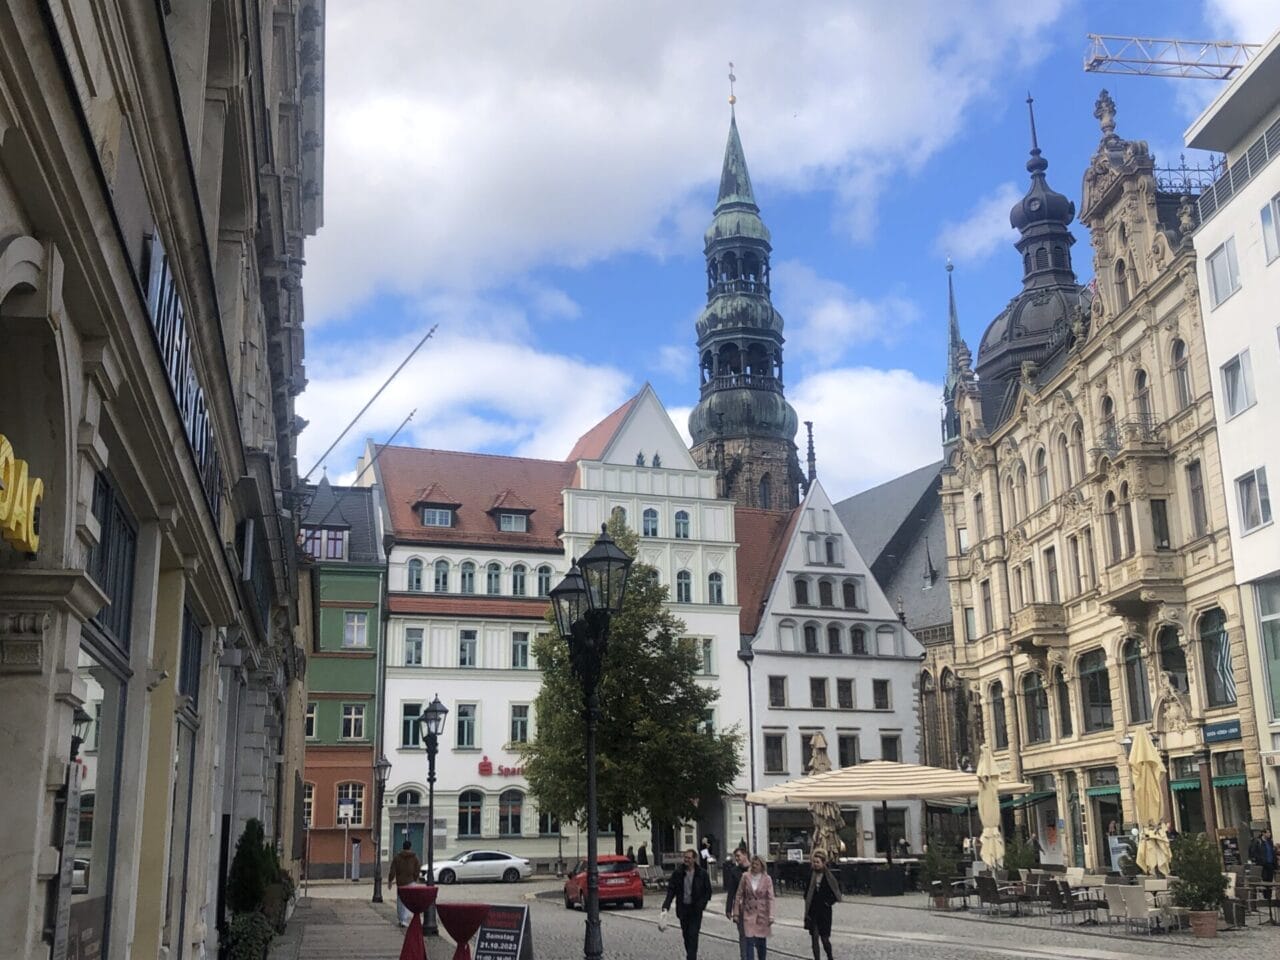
(958, 355)
(735, 182)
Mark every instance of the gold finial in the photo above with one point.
(732, 78)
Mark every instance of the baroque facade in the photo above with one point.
(1088, 550)
(159, 170)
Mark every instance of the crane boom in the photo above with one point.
(1156, 57)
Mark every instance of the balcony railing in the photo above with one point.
(1146, 577)
(747, 381)
(1246, 167)
(1143, 428)
(1039, 624)
(739, 286)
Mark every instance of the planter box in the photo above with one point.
(1204, 923)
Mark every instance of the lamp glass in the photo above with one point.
(80, 721)
(569, 599)
(432, 717)
(605, 567)
(382, 770)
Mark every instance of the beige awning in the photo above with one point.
(878, 780)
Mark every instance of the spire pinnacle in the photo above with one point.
(732, 79)
(1037, 164)
(735, 181)
(958, 356)
(813, 459)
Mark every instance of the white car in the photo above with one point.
(481, 865)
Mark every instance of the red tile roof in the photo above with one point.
(475, 481)
(592, 444)
(763, 536)
(467, 605)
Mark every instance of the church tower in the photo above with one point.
(743, 428)
(959, 367)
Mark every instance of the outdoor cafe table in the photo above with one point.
(418, 897)
(1269, 886)
(461, 921)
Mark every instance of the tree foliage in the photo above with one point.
(653, 760)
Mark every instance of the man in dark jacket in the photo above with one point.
(405, 870)
(690, 888)
(732, 875)
(1263, 852)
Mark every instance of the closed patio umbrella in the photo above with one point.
(1148, 800)
(878, 780)
(989, 808)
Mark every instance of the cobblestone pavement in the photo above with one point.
(338, 921)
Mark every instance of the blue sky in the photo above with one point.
(536, 180)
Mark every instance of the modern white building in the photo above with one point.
(827, 655)
(1238, 248)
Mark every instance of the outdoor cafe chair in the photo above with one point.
(996, 897)
(1116, 909)
(1138, 912)
(1070, 905)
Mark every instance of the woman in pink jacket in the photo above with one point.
(754, 906)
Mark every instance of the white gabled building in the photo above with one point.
(827, 655)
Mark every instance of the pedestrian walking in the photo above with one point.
(823, 893)
(631, 854)
(642, 855)
(690, 888)
(1263, 852)
(753, 909)
(406, 869)
(733, 875)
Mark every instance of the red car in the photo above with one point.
(619, 883)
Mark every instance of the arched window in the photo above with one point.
(999, 726)
(468, 577)
(1022, 492)
(1059, 257)
(810, 638)
(766, 492)
(408, 798)
(835, 639)
(802, 592)
(829, 548)
(1126, 516)
(650, 522)
(517, 580)
(715, 588)
(441, 576)
(1215, 646)
(850, 589)
(1035, 701)
(1122, 284)
(619, 515)
(544, 580)
(493, 579)
(1042, 258)
(1173, 659)
(1142, 396)
(1115, 541)
(979, 517)
(682, 525)
(470, 805)
(1137, 689)
(1042, 477)
(886, 641)
(1181, 374)
(824, 594)
(1064, 462)
(684, 587)
(858, 641)
(1063, 696)
(1077, 450)
(1108, 421)
(510, 806)
(415, 575)
(1095, 691)
(1010, 501)
(1026, 262)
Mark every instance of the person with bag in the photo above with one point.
(734, 872)
(690, 888)
(405, 869)
(753, 909)
(823, 893)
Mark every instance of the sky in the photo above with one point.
(534, 180)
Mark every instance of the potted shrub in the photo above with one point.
(249, 936)
(1018, 855)
(938, 866)
(1200, 886)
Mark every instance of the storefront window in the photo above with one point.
(1231, 791)
(1184, 782)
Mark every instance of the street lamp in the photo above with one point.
(80, 721)
(381, 771)
(585, 602)
(431, 722)
(967, 767)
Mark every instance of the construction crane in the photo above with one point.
(1155, 57)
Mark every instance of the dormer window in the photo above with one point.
(437, 517)
(513, 522)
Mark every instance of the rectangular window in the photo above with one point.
(1073, 555)
(988, 618)
(1160, 524)
(310, 722)
(1237, 384)
(467, 648)
(1086, 544)
(308, 803)
(1255, 504)
(520, 723)
(848, 749)
(519, 650)
(707, 725)
(335, 544)
(775, 753)
(1268, 592)
(351, 798)
(880, 694)
(970, 624)
(777, 691)
(818, 692)
(410, 730)
(1195, 495)
(806, 751)
(979, 517)
(465, 726)
(355, 629)
(844, 694)
(436, 517)
(313, 542)
(1224, 273)
(1019, 594)
(513, 522)
(705, 665)
(962, 539)
(413, 646)
(1052, 590)
(353, 721)
(891, 747)
(1271, 228)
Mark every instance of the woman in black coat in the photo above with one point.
(823, 892)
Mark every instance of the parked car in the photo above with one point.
(481, 865)
(619, 883)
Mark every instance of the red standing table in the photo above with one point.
(417, 897)
(461, 920)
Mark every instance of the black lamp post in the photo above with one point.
(80, 721)
(431, 721)
(381, 771)
(585, 602)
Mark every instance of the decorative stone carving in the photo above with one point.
(1173, 708)
(22, 635)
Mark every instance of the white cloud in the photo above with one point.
(675, 360)
(1245, 21)
(984, 231)
(825, 319)
(869, 425)
(680, 417)
(465, 143)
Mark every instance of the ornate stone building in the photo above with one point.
(743, 428)
(1088, 552)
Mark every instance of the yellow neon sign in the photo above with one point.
(20, 499)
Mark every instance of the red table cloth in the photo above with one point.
(462, 920)
(417, 897)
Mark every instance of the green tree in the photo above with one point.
(655, 761)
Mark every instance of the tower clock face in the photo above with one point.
(1034, 204)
